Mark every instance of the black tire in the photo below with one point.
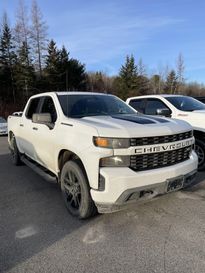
(15, 154)
(200, 151)
(76, 191)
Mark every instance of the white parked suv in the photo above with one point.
(3, 126)
(179, 107)
(102, 152)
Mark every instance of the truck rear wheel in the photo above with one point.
(200, 150)
(15, 154)
(76, 191)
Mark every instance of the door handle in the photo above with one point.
(21, 125)
(35, 128)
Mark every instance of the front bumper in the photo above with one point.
(124, 186)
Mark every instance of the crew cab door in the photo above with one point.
(153, 105)
(149, 106)
(27, 128)
(44, 139)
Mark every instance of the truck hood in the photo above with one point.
(135, 125)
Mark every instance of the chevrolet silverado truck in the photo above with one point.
(104, 155)
(179, 107)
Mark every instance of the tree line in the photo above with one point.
(30, 63)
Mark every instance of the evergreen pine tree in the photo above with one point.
(129, 73)
(63, 68)
(171, 82)
(52, 66)
(24, 72)
(127, 82)
(7, 61)
(76, 75)
(71, 72)
(64, 56)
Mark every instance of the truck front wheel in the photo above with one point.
(76, 191)
(200, 150)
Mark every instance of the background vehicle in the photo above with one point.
(179, 107)
(102, 153)
(3, 126)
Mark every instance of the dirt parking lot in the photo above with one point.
(38, 235)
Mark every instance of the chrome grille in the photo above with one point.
(159, 160)
(160, 139)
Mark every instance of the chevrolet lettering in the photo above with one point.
(165, 147)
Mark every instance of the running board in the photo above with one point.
(43, 172)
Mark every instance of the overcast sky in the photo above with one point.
(101, 33)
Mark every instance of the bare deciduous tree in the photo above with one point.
(141, 68)
(180, 67)
(21, 30)
(38, 35)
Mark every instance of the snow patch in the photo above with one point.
(94, 235)
(25, 232)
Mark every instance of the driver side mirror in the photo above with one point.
(43, 119)
(164, 112)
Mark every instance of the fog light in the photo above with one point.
(115, 161)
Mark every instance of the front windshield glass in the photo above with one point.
(184, 103)
(78, 106)
(2, 120)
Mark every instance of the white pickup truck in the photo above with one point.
(103, 154)
(179, 107)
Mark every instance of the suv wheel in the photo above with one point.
(200, 150)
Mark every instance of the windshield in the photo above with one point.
(184, 103)
(78, 106)
(2, 120)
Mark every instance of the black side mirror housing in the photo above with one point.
(164, 112)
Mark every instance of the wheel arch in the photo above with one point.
(199, 135)
(66, 155)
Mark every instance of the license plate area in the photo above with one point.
(175, 184)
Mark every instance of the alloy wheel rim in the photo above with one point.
(72, 190)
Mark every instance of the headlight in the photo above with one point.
(115, 161)
(112, 143)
